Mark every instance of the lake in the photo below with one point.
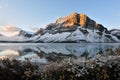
(50, 52)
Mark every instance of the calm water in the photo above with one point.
(47, 52)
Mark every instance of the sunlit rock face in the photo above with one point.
(82, 20)
(75, 28)
(74, 21)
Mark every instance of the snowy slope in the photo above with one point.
(78, 36)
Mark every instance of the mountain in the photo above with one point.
(11, 33)
(115, 32)
(72, 28)
(76, 28)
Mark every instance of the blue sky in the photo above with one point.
(37, 13)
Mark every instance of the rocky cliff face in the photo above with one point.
(81, 20)
(74, 20)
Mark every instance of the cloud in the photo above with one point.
(9, 28)
(3, 6)
(9, 31)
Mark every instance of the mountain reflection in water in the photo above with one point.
(47, 52)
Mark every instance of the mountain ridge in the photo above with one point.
(76, 28)
(72, 28)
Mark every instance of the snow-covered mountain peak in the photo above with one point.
(75, 20)
(76, 28)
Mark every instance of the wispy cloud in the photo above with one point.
(9, 28)
(2, 6)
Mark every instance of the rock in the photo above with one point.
(69, 21)
(39, 31)
(75, 20)
(101, 28)
(83, 20)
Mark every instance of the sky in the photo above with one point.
(34, 14)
